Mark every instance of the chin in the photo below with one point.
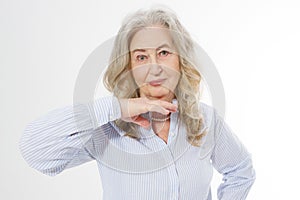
(157, 93)
(162, 95)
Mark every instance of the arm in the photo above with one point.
(232, 160)
(63, 138)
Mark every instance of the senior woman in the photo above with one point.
(153, 139)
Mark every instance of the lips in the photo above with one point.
(157, 82)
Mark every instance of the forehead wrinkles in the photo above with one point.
(151, 38)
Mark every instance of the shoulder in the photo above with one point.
(205, 108)
(209, 114)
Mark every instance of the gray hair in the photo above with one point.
(187, 91)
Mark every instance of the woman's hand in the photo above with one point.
(132, 108)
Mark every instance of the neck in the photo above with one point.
(158, 117)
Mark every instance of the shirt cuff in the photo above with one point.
(104, 110)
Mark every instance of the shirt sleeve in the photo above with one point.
(63, 138)
(231, 158)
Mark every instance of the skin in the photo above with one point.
(156, 70)
(154, 63)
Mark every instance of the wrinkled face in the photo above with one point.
(154, 63)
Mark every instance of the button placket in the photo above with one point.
(174, 178)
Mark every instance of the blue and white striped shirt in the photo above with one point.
(145, 168)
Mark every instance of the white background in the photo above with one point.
(254, 45)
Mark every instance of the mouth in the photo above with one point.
(157, 82)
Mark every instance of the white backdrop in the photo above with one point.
(254, 45)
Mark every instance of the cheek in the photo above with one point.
(139, 74)
(173, 63)
(176, 64)
(173, 69)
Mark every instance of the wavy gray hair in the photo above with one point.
(187, 91)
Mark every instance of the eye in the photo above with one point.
(163, 53)
(141, 58)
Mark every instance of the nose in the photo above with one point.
(155, 67)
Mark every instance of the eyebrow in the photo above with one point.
(159, 47)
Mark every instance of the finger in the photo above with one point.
(167, 105)
(158, 108)
(162, 107)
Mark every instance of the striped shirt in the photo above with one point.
(145, 168)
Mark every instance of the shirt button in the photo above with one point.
(111, 117)
(172, 134)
